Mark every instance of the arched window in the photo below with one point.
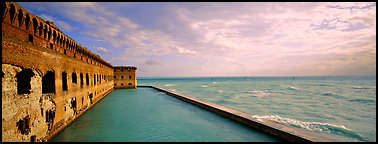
(35, 26)
(74, 78)
(45, 32)
(81, 80)
(87, 78)
(23, 81)
(49, 34)
(48, 82)
(94, 79)
(130, 84)
(64, 81)
(3, 7)
(129, 77)
(54, 36)
(27, 21)
(20, 17)
(12, 13)
(40, 28)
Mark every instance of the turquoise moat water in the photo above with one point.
(147, 115)
(339, 106)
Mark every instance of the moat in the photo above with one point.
(147, 115)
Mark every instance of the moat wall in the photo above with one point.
(48, 79)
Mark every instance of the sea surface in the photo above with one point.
(339, 106)
(147, 115)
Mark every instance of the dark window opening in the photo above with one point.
(49, 34)
(82, 100)
(23, 125)
(87, 78)
(30, 38)
(50, 115)
(45, 32)
(74, 55)
(65, 52)
(40, 28)
(121, 84)
(23, 81)
(42, 112)
(94, 79)
(33, 138)
(3, 7)
(65, 108)
(130, 84)
(12, 12)
(51, 45)
(27, 21)
(74, 78)
(20, 16)
(122, 77)
(64, 81)
(73, 104)
(35, 25)
(48, 82)
(90, 98)
(114, 77)
(115, 84)
(2, 74)
(129, 77)
(81, 80)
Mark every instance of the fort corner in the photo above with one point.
(125, 77)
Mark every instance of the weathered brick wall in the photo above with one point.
(30, 43)
(125, 77)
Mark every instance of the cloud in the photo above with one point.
(61, 24)
(152, 62)
(101, 49)
(233, 38)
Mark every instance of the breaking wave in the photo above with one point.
(292, 88)
(203, 86)
(169, 85)
(312, 126)
(358, 87)
(257, 93)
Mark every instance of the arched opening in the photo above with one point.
(74, 78)
(54, 37)
(49, 34)
(87, 78)
(48, 82)
(27, 21)
(94, 79)
(23, 125)
(40, 28)
(64, 81)
(81, 80)
(130, 84)
(12, 12)
(35, 26)
(20, 17)
(129, 77)
(3, 7)
(23, 81)
(45, 32)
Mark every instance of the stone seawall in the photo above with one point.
(284, 132)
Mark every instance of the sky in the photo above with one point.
(186, 39)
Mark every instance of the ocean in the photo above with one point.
(340, 106)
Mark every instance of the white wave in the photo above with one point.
(172, 90)
(312, 126)
(204, 86)
(214, 82)
(169, 85)
(293, 88)
(257, 93)
(220, 91)
(358, 87)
